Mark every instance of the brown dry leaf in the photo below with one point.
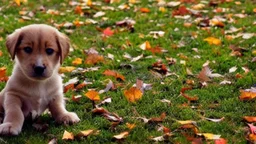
(213, 41)
(133, 94)
(182, 91)
(182, 10)
(93, 59)
(67, 136)
(250, 119)
(76, 98)
(99, 111)
(66, 69)
(156, 49)
(93, 95)
(114, 74)
(160, 67)
(77, 61)
(80, 86)
(157, 119)
(121, 135)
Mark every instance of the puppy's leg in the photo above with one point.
(59, 112)
(14, 117)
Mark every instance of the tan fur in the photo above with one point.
(26, 93)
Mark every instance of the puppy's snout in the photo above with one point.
(39, 70)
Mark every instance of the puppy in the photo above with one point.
(35, 85)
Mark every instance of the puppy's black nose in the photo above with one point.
(39, 70)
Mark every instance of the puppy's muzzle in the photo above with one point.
(39, 70)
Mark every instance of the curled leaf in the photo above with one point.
(121, 135)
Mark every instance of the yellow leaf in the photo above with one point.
(121, 135)
(93, 95)
(77, 61)
(209, 136)
(213, 41)
(186, 122)
(89, 2)
(66, 69)
(67, 136)
(130, 126)
(17, 2)
(86, 133)
(162, 9)
(133, 94)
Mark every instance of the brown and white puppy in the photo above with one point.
(35, 85)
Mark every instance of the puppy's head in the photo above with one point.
(38, 49)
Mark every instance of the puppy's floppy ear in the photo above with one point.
(63, 45)
(12, 42)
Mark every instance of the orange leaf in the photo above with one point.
(67, 136)
(130, 126)
(121, 135)
(158, 119)
(181, 11)
(1, 53)
(85, 133)
(114, 74)
(252, 137)
(144, 10)
(81, 85)
(133, 94)
(76, 98)
(213, 41)
(182, 91)
(69, 87)
(93, 95)
(2, 72)
(247, 95)
(108, 32)
(78, 10)
(94, 59)
(145, 46)
(250, 119)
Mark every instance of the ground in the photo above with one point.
(166, 45)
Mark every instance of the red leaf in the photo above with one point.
(181, 11)
(220, 141)
(108, 32)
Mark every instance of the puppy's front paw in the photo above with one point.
(9, 129)
(68, 118)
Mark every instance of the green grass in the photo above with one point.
(87, 36)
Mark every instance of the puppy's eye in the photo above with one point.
(28, 50)
(49, 51)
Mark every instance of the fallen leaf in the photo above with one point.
(2, 72)
(130, 126)
(77, 61)
(1, 53)
(76, 98)
(93, 95)
(182, 10)
(66, 69)
(252, 128)
(213, 41)
(145, 46)
(85, 133)
(133, 94)
(121, 135)
(157, 119)
(114, 74)
(220, 141)
(108, 87)
(93, 59)
(250, 119)
(214, 120)
(53, 141)
(108, 32)
(106, 100)
(182, 91)
(144, 10)
(67, 136)
(186, 122)
(99, 111)
(247, 94)
(209, 136)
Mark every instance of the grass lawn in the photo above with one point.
(173, 59)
